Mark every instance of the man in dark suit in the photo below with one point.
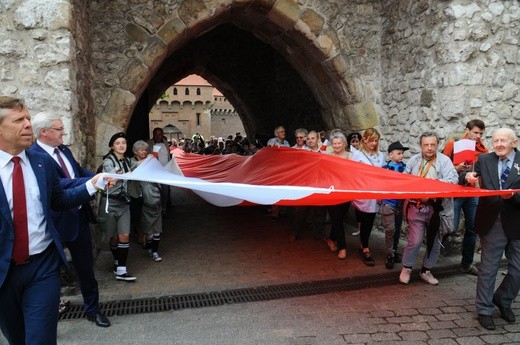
(30, 248)
(73, 224)
(496, 222)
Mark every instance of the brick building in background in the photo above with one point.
(194, 106)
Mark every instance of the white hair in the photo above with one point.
(41, 121)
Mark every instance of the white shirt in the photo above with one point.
(39, 239)
(374, 159)
(50, 150)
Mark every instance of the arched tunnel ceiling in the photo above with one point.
(262, 86)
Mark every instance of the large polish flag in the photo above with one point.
(286, 176)
(464, 151)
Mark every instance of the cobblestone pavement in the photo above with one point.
(205, 248)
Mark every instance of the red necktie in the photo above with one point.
(62, 163)
(21, 232)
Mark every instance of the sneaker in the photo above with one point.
(404, 277)
(332, 245)
(155, 257)
(429, 278)
(368, 259)
(397, 258)
(389, 262)
(470, 269)
(342, 255)
(355, 233)
(126, 277)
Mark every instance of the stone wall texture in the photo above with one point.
(405, 66)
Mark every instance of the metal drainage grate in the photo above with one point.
(263, 293)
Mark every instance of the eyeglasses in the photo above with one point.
(59, 129)
(300, 137)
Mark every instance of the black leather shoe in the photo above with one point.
(100, 320)
(486, 321)
(506, 313)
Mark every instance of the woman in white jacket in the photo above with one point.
(366, 209)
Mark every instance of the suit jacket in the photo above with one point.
(491, 206)
(51, 195)
(70, 222)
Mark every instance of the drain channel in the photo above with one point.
(256, 294)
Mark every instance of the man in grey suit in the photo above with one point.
(497, 224)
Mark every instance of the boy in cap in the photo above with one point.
(392, 209)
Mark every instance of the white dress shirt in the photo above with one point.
(50, 150)
(39, 239)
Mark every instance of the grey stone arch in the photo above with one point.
(302, 37)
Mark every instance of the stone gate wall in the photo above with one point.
(418, 65)
(446, 62)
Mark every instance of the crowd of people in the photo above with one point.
(489, 217)
(60, 192)
(218, 145)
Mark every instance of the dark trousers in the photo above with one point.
(367, 222)
(337, 230)
(83, 262)
(494, 244)
(29, 300)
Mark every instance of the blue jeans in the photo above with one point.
(469, 207)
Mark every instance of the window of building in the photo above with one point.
(198, 119)
(187, 92)
(175, 91)
(223, 121)
(198, 91)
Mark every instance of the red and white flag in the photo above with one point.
(464, 151)
(324, 145)
(290, 177)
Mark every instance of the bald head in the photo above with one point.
(504, 142)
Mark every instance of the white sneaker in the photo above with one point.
(429, 278)
(342, 255)
(404, 277)
(155, 257)
(332, 245)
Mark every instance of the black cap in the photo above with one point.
(396, 146)
(115, 137)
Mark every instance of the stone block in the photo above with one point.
(414, 335)
(313, 20)
(336, 66)
(172, 30)
(325, 45)
(51, 15)
(132, 76)
(285, 14)
(362, 115)
(192, 11)
(426, 98)
(153, 52)
(137, 33)
(117, 112)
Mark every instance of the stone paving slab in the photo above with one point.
(211, 249)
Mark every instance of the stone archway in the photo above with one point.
(299, 35)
